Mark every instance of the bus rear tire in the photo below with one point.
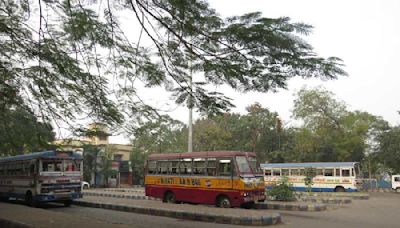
(67, 203)
(223, 202)
(169, 197)
(398, 189)
(340, 189)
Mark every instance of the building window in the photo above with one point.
(102, 137)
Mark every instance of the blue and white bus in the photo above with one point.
(328, 176)
(50, 176)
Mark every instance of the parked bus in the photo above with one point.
(50, 176)
(222, 178)
(328, 176)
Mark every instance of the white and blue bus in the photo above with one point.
(50, 176)
(328, 176)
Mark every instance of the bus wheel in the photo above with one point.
(339, 189)
(68, 203)
(29, 199)
(169, 197)
(398, 190)
(248, 205)
(224, 202)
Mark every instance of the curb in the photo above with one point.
(291, 207)
(187, 215)
(123, 190)
(354, 196)
(134, 197)
(360, 197)
(13, 224)
(380, 190)
(328, 200)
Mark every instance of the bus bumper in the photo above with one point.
(57, 197)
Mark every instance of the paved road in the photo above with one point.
(58, 216)
(381, 210)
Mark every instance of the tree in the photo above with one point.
(210, 136)
(90, 167)
(331, 132)
(68, 61)
(388, 151)
(21, 132)
(161, 135)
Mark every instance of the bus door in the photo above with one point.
(225, 172)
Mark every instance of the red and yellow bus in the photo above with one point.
(222, 178)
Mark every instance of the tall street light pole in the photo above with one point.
(190, 102)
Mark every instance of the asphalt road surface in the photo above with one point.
(381, 210)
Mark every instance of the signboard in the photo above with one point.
(115, 166)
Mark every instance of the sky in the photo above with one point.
(365, 34)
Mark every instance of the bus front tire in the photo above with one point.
(248, 205)
(67, 203)
(223, 202)
(398, 189)
(340, 189)
(29, 199)
(169, 197)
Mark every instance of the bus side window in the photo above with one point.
(276, 172)
(285, 172)
(268, 172)
(199, 166)
(185, 167)
(345, 172)
(294, 172)
(211, 166)
(173, 167)
(397, 179)
(152, 167)
(302, 172)
(163, 167)
(319, 172)
(328, 172)
(225, 167)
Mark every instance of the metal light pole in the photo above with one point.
(190, 102)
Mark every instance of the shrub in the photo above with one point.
(308, 181)
(282, 191)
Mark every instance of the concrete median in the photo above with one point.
(186, 214)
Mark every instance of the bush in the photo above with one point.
(282, 191)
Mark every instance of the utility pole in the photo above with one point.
(190, 104)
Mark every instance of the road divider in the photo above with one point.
(291, 206)
(262, 220)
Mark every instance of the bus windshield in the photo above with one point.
(71, 166)
(254, 165)
(60, 166)
(242, 164)
(51, 165)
